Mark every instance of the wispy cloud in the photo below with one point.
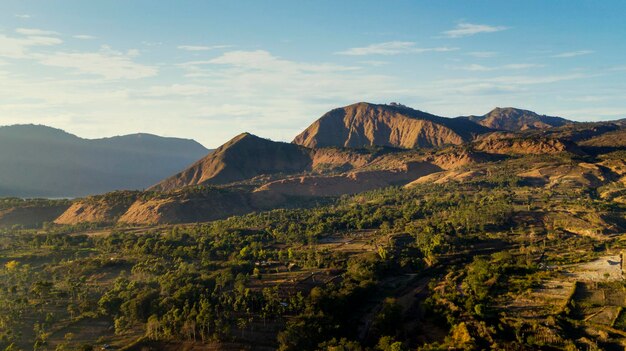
(595, 113)
(573, 53)
(22, 16)
(176, 90)
(106, 63)
(151, 43)
(531, 80)
(17, 47)
(391, 48)
(522, 66)
(467, 29)
(476, 68)
(263, 60)
(267, 87)
(511, 66)
(500, 84)
(482, 54)
(374, 63)
(202, 47)
(83, 37)
(35, 32)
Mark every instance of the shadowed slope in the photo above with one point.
(243, 157)
(42, 161)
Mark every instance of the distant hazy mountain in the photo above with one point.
(47, 162)
(515, 119)
(364, 124)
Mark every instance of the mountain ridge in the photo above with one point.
(516, 119)
(365, 124)
(42, 161)
(242, 157)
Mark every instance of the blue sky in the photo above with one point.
(209, 70)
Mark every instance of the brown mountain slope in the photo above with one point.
(364, 124)
(181, 207)
(348, 183)
(390, 169)
(506, 145)
(615, 139)
(243, 157)
(105, 208)
(575, 175)
(185, 205)
(334, 159)
(514, 119)
(330, 172)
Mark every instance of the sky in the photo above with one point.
(209, 70)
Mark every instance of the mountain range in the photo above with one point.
(39, 161)
(348, 150)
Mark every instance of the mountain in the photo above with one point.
(537, 145)
(40, 161)
(514, 119)
(614, 139)
(324, 172)
(249, 173)
(106, 208)
(364, 124)
(243, 157)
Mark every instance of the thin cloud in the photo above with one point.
(106, 63)
(511, 66)
(505, 82)
(83, 37)
(475, 68)
(574, 53)
(274, 87)
(595, 113)
(522, 65)
(177, 89)
(482, 54)
(151, 43)
(202, 47)
(35, 32)
(18, 47)
(391, 48)
(374, 63)
(468, 29)
(263, 60)
(22, 16)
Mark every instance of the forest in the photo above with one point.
(429, 267)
